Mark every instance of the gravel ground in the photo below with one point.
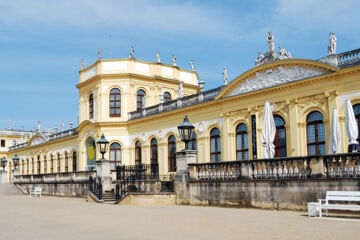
(24, 217)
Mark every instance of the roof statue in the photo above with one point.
(272, 55)
(62, 126)
(82, 64)
(259, 58)
(180, 91)
(225, 76)
(332, 44)
(283, 53)
(173, 60)
(99, 53)
(132, 52)
(192, 65)
(270, 41)
(157, 56)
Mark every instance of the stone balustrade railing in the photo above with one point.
(348, 58)
(69, 177)
(177, 103)
(50, 137)
(320, 166)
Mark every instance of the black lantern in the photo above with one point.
(186, 130)
(102, 144)
(3, 163)
(16, 160)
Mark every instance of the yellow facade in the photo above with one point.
(295, 87)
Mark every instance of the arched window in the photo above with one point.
(215, 145)
(52, 163)
(115, 155)
(357, 117)
(66, 162)
(315, 133)
(137, 153)
(74, 162)
(154, 151)
(192, 145)
(91, 153)
(140, 99)
(91, 106)
(167, 97)
(58, 163)
(172, 153)
(115, 102)
(39, 165)
(45, 164)
(23, 167)
(242, 143)
(280, 137)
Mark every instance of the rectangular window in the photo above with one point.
(2, 143)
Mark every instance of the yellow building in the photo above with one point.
(138, 106)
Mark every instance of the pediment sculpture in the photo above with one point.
(274, 77)
(37, 141)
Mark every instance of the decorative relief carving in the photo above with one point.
(273, 77)
(37, 141)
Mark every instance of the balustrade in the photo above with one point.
(348, 58)
(325, 166)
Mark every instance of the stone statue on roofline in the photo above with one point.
(192, 66)
(132, 52)
(82, 64)
(283, 53)
(225, 76)
(157, 56)
(270, 41)
(332, 44)
(99, 54)
(174, 60)
(259, 59)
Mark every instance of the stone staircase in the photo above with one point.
(109, 197)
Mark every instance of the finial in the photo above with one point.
(39, 128)
(201, 85)
(70, 125)
(62, 126)
(157, 56)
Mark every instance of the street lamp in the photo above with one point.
(102, 144)
(186, 130)
(16, 160)
(3, 163)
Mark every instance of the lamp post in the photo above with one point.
(102, 145)
(3, 163)
(186, 130)
(103, 172)
(3, 173)
(16, 160)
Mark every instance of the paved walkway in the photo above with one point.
(22, 217)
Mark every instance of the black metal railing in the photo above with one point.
(95, 187)
(138, 172)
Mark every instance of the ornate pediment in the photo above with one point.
(273, 77)
(36, 141)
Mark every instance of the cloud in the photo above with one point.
(159, 15)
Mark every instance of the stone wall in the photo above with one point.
(69, 184)
(268, 194)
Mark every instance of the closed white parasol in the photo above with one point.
(335, 133)
(351, 126)
(268, 132)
